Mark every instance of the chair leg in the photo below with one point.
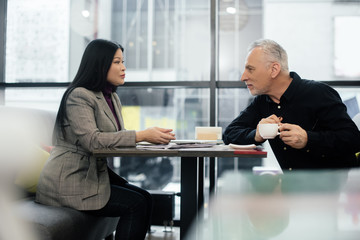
(110, 237)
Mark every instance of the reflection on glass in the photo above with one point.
(319, 204)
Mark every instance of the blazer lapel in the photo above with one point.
(117, 106)
(106, 108)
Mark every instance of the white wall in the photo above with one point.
(306, 30)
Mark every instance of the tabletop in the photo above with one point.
(214, 151)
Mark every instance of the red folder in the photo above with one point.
(251, 152)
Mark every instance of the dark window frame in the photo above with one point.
(213, 84)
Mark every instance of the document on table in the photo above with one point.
(249, 146)
(196, 141)
(174, 145)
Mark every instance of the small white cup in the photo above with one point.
(268, 130)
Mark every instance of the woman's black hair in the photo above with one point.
(92, 73)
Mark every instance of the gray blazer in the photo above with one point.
(72, 177)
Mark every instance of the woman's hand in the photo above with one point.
(155, 135)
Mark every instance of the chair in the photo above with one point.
(356, 120)
(352, 106)
(60, 223)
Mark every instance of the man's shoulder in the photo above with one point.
(317, 89)
(312, 84)
(303, 81)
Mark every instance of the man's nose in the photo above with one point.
(243, 77)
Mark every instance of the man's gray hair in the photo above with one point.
(273, 50)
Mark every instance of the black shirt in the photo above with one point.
(333, 138)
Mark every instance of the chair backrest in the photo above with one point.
(356, 120)
(352, 106)
(33, 123)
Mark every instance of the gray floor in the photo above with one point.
(157, 233)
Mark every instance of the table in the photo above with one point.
(192, 161)
(316, 204)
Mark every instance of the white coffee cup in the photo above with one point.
(268, 130)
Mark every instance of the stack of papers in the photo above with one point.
(249, 146)
(194, 141)
(174, 145)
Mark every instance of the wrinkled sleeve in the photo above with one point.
(242, 129)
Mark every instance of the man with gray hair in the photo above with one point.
(315, 129)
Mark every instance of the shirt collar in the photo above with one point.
(290, 91)
(108, 89)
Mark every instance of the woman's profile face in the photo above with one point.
(116, 73)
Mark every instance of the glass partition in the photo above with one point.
(240, 23)
(180, 109)
(319, 35)
(164, 40)
(37, 41)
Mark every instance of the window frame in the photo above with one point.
(213, 84)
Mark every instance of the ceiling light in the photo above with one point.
(85, 13)
(231, 10)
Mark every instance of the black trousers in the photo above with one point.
(134, 207)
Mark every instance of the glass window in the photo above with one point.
(37, 41)
(306, 30)
(346, 52)
(319, 36)
(164, 40)
(168, 40)
(240, 23)
(180, 109)
(231, 102)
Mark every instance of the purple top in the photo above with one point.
(108, 90)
